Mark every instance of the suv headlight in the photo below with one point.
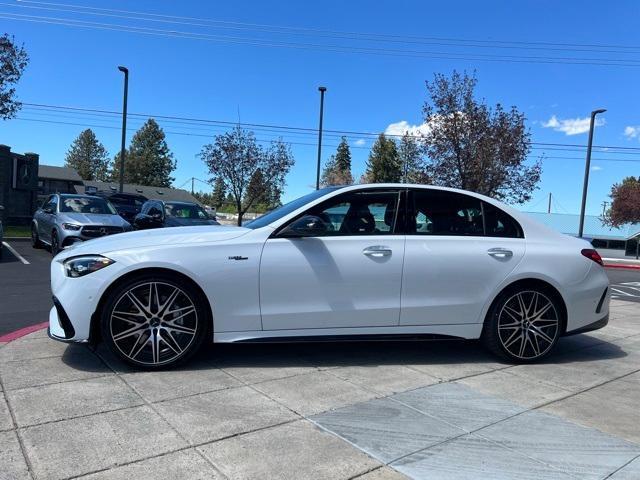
(71, 226)
(81, 266)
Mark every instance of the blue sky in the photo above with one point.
(198, 77)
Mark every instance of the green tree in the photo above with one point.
(235, 156)
(219, 193)
(472, 146)
(13, 61)
(148, 160)
(337, 171)
(409, 153)
(258, 192)
(383, 164)
(88, 157)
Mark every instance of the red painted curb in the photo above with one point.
(10, 337)
(630, 267)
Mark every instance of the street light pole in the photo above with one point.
(587, 167)
(124, 70)
(321, 90)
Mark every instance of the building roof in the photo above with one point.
(152, 193)
(568, 223)
(58, 173)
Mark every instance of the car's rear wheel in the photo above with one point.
(55, 243)
(523, 325)
(35, 238)
(154, 322)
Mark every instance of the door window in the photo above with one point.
(155, 209)
(359, 213)
(439, 212)
(52, 204)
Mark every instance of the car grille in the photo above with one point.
(99, 231)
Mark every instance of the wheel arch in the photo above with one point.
(533, 283)
(94, 332)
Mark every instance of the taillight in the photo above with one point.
(591, 254)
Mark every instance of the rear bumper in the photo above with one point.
(598, 324)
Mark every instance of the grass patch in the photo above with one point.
(17, 231)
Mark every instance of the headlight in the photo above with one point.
(81, 266)
(71, 226)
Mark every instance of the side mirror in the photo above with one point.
(306, 226)
(141, 221)
(48, 210)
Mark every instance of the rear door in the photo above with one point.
(458, 250)
(46, 220)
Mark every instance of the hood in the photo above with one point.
(93, 219)
(154, 237)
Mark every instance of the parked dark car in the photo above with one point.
(158, 214)
(128, 205)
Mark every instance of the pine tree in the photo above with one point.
(383, 165)
(413, 168)
(337, 171)
(148, 160)
(219, 192)
(88, 157)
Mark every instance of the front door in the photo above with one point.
(459, 249)
(347, 274)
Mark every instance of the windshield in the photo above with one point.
(287, 208)
(86, 205)
(184, 210)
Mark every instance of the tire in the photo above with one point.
(35, 238)
(55, 243)
(523, 324)
(154, 322)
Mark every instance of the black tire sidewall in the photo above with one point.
(116, 294)
(490, 337)
(35, 239)
(55, 245)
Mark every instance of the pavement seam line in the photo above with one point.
(153, 409)
(623, 466)
(15, 429)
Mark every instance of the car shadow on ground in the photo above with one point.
(578, 348)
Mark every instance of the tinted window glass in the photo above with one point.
(437, 212)
(155, 209)
(86, 205)
(499, 223)
(359, 213)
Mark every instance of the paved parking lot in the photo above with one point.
(441, 410)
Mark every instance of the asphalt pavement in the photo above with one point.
(25, 295)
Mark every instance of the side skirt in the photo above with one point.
(430, 332)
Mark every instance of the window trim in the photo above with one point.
(398, 229)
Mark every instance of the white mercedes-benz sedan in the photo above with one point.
(343, 262)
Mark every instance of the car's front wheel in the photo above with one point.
(523, 325)
(154, 322)
(55, 243)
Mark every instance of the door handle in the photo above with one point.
(377, 251)
(500, 252)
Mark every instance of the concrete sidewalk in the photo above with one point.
(441, 410)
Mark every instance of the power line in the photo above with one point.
(198, 21)
(314, 131)
(261, 42)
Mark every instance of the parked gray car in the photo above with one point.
(66, 219)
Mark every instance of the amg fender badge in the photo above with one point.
(238, 257)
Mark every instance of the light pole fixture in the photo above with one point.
(321, 90)
(124, 70)
(587, 167)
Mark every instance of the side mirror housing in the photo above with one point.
(306, 226)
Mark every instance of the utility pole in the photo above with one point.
(192, 179)
(124, 70)
(321, 90)
(604, 207)
(549, 206)
(587, 166)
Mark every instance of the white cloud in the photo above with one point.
(632, 131)
(571, 126)
(402, 127)
(596, 168)
(360, 142)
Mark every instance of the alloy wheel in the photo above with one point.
(528, 325)
(55, 248)
(153, 323)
